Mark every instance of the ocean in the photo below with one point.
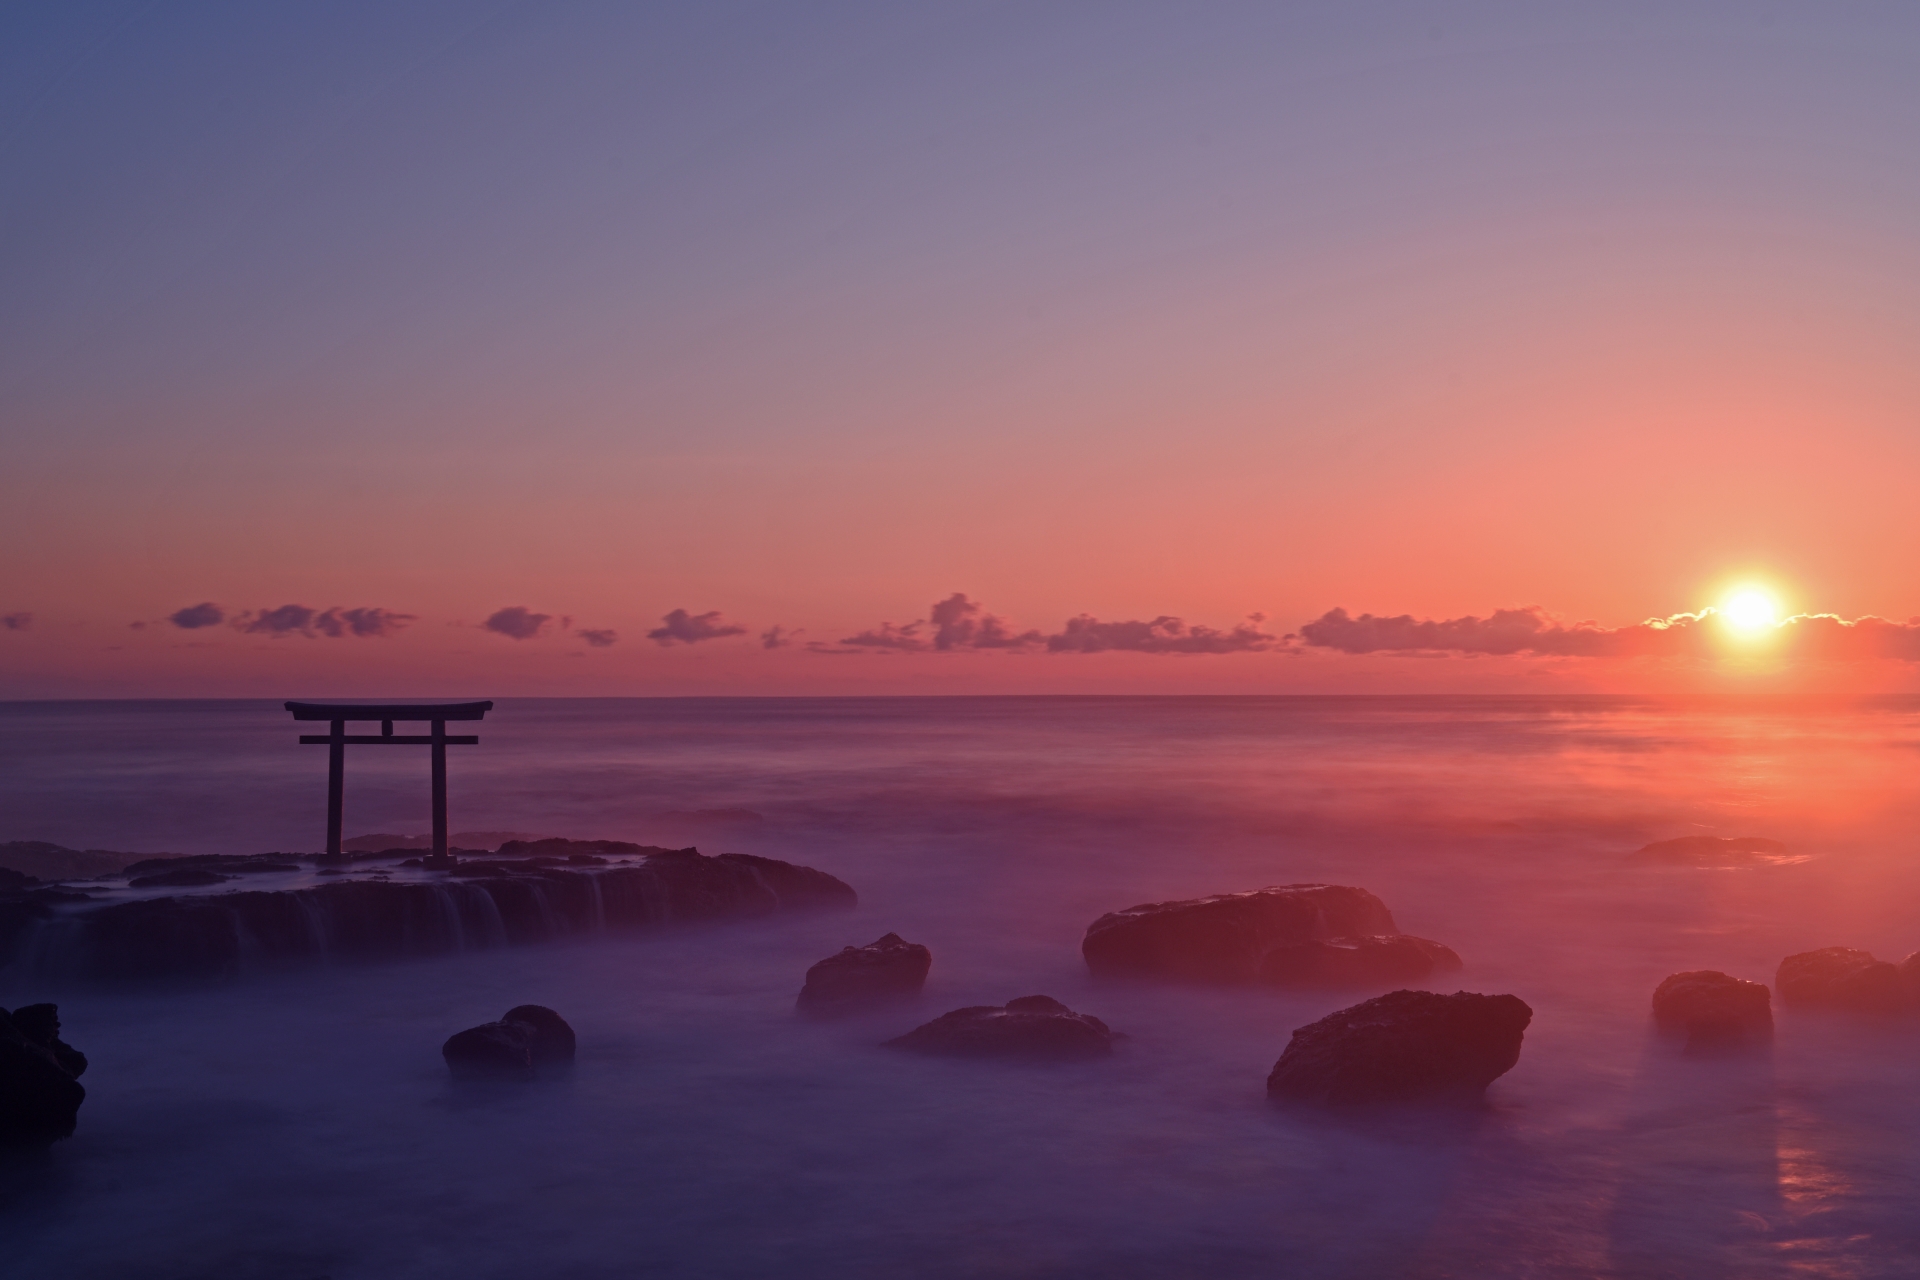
(296, 1125)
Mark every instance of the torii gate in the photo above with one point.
(386, 713)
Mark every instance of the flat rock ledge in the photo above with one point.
(1405, 1046)
(854, 978)
(1713, 1010)
(1031, 1027)
(1716, 851)
(1847, 979)
(1295, 935)
(569, 887)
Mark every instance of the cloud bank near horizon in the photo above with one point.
(958, 624)
(302, 620)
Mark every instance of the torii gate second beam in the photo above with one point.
(387, 712)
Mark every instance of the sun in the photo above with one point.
(1750, 609)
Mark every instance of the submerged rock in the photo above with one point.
(491, 1051)
(890, 968)
(1228, 937)
(1382, 959)
(1713, 1009)
(1715, 851)
(531, 900)
(553, 1040)
(1840, 978)
(40, 1094)
(1029, 1027)
(1403, 1046)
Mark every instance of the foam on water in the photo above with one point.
(301, 1124)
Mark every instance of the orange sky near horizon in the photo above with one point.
(814, 326)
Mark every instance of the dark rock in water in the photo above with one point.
(507, 904)
(1030, 1027)
(11, 881)
(553, 1040)
(1910, 979)
(1840, 978)
(856, 977)
(1401, 1047)
(56, 862)
(491, 1051)
(1715, 851)
(1227, 938)
(1713, 1009)
(185, 878)
(555, 847)
(1379, 960)
(225, 864)
(39, 1096)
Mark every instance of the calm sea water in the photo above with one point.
(301, 1125)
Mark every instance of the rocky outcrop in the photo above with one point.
(1713, 1010)
(1379, 960)
(1840, 978)
(1228, 937)
(50, 861)
(40, 1092)
(179, 871)
(491, 1051)
(497, 903)
(1401, 1047)
(1714, 851)
(1036, 1027)
(553, 1040)
(855, 978)
(186, 878)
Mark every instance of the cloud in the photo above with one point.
(193, 617)
(16, 621)
(598, 639)
(517, 622)
(681, 627)
(959, 623)
(298, 619)
(1533, 631)
(778, 637)
(886, 636)
(1087, 634)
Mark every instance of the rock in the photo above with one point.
(1839, 978)
(1713, 1010)
(553, 1039)
(1227, 938)
(185, 878)
(890, 968)
(1378, 960)
(490, 904)
(1401, 1047)
(1715, 851)
(222, 864)
(56, 862)
(39, 1096)
(1910, 979)
(1030, 1027)
(491, 1051)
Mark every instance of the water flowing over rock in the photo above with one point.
(890, 968)
(1840, 978)
(1382, 959)
(1404, 1046)
(1228, 937)
(1038, 1027)
(1713, 1010)
(492, 903)
(40, 1093)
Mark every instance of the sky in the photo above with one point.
(475, 348)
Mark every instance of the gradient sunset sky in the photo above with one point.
(486, 349)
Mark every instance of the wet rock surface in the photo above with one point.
(1031, 1027)
(187, 878)
(40, 1092)
(1227, 938)
(553, 1040)
(1840, 978)
(1714, 851)
(1405, 1046)
(491, 1051)
(854, 978)
(1713, 1010)
(1382, 959)
(499, 903)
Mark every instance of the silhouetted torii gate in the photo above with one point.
(386, 713)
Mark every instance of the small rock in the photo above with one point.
(1225, 938)
(39, 1097)
(1839, 978)
(1716, 851)
(553, 1039)
(1713, 1010)
(1403, 1046)
(890, 968)
(491, 1051)
(1382, 959)
(1030, 1027)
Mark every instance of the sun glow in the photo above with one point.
(1750, 610)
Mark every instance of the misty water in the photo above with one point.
(301, 1124)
